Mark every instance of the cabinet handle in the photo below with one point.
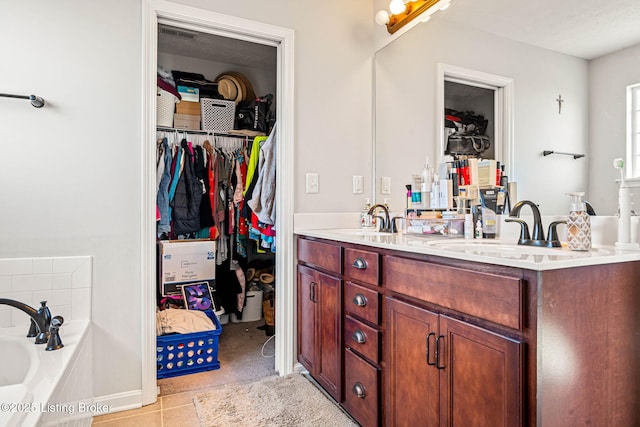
(359, 336)
(438, 353)
(312, 291)
(360, 264)
(359, 300)
(359, 391)
(428, 348)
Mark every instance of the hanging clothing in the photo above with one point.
(264, 193)
(188, 197)
(162, 199)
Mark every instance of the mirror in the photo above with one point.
(408, 122)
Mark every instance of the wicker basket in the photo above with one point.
(166, 106)
(217, 114)
(181, 354)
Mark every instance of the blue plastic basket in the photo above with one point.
(182, 354)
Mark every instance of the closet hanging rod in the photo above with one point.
(36, 101)
(204, 132)
(575, 155)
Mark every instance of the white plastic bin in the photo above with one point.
(252, 309)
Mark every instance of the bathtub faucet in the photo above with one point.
(40, 318)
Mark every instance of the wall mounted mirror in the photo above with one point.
(514, 42)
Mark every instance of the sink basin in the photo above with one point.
(359, 232)
(504, 249)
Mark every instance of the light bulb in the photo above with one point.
(382, 17)
(445, 5)
(397, 6)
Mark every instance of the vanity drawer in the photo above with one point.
(362, 339)
(363, 266)
(487, 296)
(362, 302)
(323, 255)
(361, 389)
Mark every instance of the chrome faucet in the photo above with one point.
(40, 319)
(388, 225)
(537, 238)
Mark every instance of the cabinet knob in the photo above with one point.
(359, 300)
(359, 391)
(359, 336)
(360, 264)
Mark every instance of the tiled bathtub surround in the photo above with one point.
(64, 282)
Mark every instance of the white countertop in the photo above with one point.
(490, 251)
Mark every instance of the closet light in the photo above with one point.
(404, 11)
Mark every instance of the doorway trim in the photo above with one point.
(155, 11)
(503, 107)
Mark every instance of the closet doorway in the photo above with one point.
(159, 14)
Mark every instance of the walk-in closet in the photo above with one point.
(215, 146)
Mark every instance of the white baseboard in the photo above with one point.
(120, 401)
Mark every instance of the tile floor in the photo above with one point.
(240, 345)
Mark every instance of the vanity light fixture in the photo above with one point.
(404, 11)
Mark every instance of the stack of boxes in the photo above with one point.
(187, 114)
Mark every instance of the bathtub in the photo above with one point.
(46, 388)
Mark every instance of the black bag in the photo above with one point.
(255, 114)
(469, 145)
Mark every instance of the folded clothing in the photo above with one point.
(180, 321)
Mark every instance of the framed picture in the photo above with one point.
(197, 296)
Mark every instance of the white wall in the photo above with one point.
(609, 77)
(406, 102)
(70, 179)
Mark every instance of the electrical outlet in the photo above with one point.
(385, 187)
(312, 183)
(357, 184)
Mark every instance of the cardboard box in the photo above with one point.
(185, 261)
(188, 107)
(186, 121)
(189, 93)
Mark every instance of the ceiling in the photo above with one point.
(583, 28)
(212, 47)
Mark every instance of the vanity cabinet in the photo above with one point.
(423, 339)
(319, 313)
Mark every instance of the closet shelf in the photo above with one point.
(236, 133)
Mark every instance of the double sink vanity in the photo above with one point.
(403, 330)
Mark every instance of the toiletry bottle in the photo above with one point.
(409, 201)
(425, 188)
(365, 218)
(578, 224)
(416, 192)
(468, 226)
(489, 222)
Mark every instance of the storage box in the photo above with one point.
(189, 93)
(182, 354)
(176, 288)
(217, 114)
(186, 121)
(252, 310)
(188, 107)
(165, 107)
(433, 227)
(186, 261)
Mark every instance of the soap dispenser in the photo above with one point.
(578, 224)
(365, 217)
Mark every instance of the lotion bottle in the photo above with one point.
(578, 224)
(365, 218)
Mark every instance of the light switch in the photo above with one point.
(385, 187)
(312, 183)
(357, 184)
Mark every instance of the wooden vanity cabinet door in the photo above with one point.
(320, 328)
(480, 376)
(412, 385)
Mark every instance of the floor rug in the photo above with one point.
(286, 401)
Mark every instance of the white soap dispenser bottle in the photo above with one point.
(578, 224)
(365, 218)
